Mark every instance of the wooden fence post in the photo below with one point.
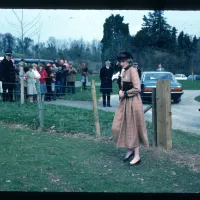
(96, 116)
(40, 105)
(22, 84)
(164, 123)
(154, 118)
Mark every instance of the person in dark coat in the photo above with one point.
(84, 75)
(7, 76)
(59, 75)
(135, 64)
(49, 95)
(106, 74)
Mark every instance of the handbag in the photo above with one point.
(127, 86)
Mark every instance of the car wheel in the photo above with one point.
(177, 100)
(145, 100)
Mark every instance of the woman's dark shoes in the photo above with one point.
(126, 159)
(137, 163)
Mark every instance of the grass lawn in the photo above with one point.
(190, 85)
(90, 77)
(63, 119)
(197, 98)
(36, 161)
(86, 95)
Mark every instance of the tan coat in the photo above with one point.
(129, 127)
(72, 75)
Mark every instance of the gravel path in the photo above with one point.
(185, 115)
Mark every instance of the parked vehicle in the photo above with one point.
(149, 80)
(195, 77)
(180, 77)
(30, 60)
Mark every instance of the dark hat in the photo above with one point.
(135, 63)
(124, 56)
(8, 53)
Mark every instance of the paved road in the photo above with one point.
(185, 115)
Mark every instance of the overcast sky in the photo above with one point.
(88, 24)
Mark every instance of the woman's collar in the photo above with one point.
(126, 68)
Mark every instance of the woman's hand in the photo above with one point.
(121, 94)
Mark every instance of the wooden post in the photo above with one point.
(96, 116)
(40, 105)
(22, 84)
(163, 105)
(154, 118)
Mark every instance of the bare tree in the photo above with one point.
(24, 28)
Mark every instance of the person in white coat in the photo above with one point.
(37, 80)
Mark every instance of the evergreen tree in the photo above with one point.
(194, 44)
(157, 30)
(181, 41)
(173, 40)
(116, 37)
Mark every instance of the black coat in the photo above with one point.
(59, 75)
(139, 73)
(7, 71)
(106, 79)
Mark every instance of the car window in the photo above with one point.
(158, 76)
(178, 75)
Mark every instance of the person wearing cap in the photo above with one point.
(71, 79)
(129, 127)
(106, 73)
(135, 64)
(7, 76)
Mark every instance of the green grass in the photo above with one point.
(90, 77)
(65, 119)
(197, 98)
(86, 95)
(190, 85)
(76, 120)
(36, 161)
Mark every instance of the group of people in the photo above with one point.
(49, 80)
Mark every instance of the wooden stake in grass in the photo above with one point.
(22, 84)
(40, 105)
(154, 118)
(96, 116)
(164, 123)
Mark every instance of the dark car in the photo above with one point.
(149, 80)
(194, 77)
(32, 60)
